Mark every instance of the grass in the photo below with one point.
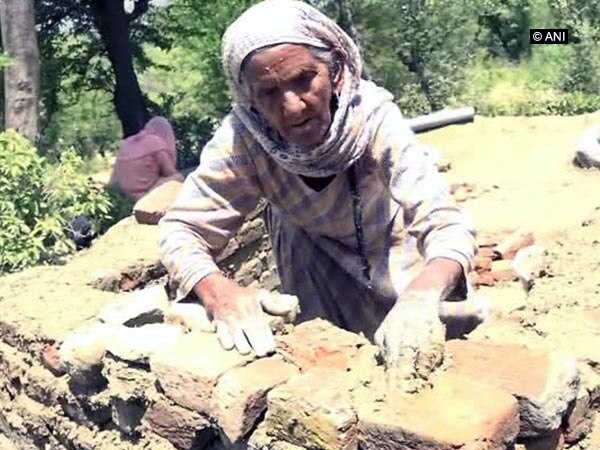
(499, 87)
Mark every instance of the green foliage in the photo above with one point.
(418, 49)
(85, 121)
(4, 60)
(76, 73)
(38, 200)
(505, 28)
(187, 82)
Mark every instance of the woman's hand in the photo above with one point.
(237, 314)
(411, 337)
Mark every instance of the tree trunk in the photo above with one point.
(346, 22)
(21, 78)
(113, 24)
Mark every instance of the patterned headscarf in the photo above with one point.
(360, 103)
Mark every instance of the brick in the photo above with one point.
(510, 245)
(318, 343)
(51, 360)
(153, 206)
(313, 410)
(240, 397)
(543, 383)
(137, 308)
(189, 370)
(456, 413)
(183, 428)
(261, 440)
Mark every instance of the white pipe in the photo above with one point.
(441, 119)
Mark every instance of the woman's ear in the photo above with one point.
(337, 70)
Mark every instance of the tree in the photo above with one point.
(418, 49)
(21, 77)
(75, 39)
(112, 22)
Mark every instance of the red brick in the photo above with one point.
(514, 242)
(240, 397)
(51, 360)
(185, 429)
(153, 206)
(318, 343)
(456, 413)
(544, 384)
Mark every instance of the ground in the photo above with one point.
(524, 170)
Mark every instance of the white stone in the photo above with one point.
(137, 307)
(138, 344)
(84, 348)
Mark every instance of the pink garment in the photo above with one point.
(137, 168)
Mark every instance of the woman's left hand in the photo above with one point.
(411, 339)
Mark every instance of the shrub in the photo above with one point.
(38, 200)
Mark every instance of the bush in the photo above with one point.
(38, 200)
(418, 50)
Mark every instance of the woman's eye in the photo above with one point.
(268, 92)
(305, 79)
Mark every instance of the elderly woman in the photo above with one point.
(146, 159)
(363, 227)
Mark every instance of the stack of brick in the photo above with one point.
(494, 262)
(323, 389)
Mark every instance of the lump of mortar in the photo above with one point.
(282, 305)
(191, 316)
(530, 263)
(81, 354)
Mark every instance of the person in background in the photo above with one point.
(146, 160)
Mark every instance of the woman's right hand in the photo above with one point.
(237, 314)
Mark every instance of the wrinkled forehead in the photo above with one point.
(267, 24)
(277, 62)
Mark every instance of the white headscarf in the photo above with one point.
(361, 104)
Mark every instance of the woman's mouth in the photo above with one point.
(302, 123)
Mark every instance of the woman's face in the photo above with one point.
(292, 90)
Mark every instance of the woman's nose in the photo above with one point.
(292, 104)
